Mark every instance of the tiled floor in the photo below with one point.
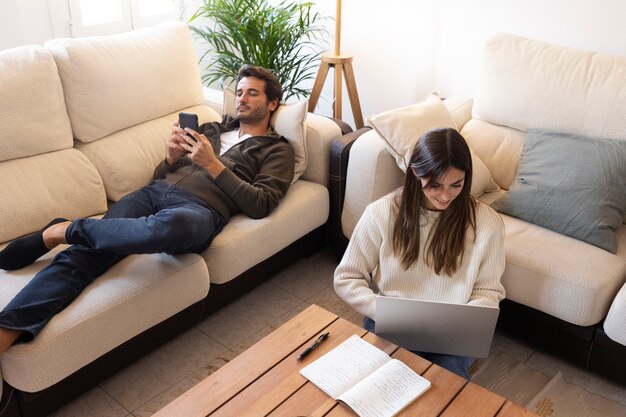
(158, 378)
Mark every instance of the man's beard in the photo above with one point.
(253, 116)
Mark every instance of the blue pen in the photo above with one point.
(313, 346)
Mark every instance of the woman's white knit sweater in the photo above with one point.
(369, 265)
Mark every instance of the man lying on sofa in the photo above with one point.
(241, 165)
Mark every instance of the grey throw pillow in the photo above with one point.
(572, 184)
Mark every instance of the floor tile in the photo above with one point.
(156, 372)
(356, 318)
(308, 276)
(248, 314)
(513, 347)
(550, 365)
(328, 300)
(252, 338)
(95, 402)
(183, 385)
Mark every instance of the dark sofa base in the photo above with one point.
(608, 357)
(587, 347)
(17, 403)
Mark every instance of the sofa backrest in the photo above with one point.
(526, 84)
(117, 81)
(33, 119)
(41, 175)
(123, 93)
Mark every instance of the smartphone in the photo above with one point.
(189, 120)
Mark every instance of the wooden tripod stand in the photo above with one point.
(343, 66)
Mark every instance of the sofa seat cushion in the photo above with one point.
(245, 242)
(126, 159)
(33, 118)
(136, 294)
(559, 275)
(36, 189)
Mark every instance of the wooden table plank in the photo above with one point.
(265, 379)
(474, 401)
(283, 380)
(416, 363)
(230, 379)
(444, 387)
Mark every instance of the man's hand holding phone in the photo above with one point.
(188, 120)
(176, 145)
(199, 151)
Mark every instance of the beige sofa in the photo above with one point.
(564, 293)
(83, 122)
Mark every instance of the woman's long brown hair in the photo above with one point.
(434, 153)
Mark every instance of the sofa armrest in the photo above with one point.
(370, 173)
(339, 156)
(321, 131)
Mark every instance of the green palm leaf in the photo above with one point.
(286, 38)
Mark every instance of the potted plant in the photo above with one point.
(286, 38)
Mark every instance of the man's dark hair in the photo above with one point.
(273, 89)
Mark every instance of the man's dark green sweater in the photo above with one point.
(259, 171)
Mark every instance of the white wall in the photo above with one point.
(405, 49)
(24, 22)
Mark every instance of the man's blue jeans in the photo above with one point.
(453, 363)
(156, 218)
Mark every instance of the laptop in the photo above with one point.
(430, 326)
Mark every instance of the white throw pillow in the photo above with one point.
(288, 121)
(401, 128)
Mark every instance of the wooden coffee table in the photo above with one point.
(265, 380)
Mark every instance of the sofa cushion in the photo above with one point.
(401, 128)
(526, 84)
(303, 209)
(146, 288)
(572, 184)
(117, 81)
(499, 147)
(126, 159)
(33, 119)
(560, 275)
(36, 189)
(288, 121)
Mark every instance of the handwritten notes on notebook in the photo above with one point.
(366, 379)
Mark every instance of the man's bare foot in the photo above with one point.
(55, 234)
(7, 338)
